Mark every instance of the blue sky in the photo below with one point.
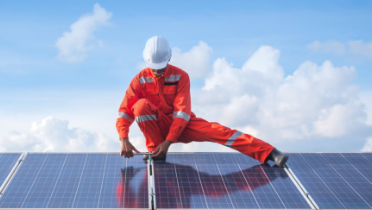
(35, 83)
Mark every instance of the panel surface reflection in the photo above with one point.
(223, 181)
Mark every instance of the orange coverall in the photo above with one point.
(162, 108)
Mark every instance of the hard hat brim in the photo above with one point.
(157, 65)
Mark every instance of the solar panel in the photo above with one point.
(78, 181)
(335, 180)
(7, 162)
(223, 180)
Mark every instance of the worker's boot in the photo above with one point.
(156, 160)
(279, 158)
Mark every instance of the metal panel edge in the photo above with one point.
(151, 183)
(132, 209)
(12, 173)
(148, 184)
(300, 187)
(245, 209)
(153, 186)
(73, 208)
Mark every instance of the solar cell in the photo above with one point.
(335, 180)
(223, 181)
(78, 181)
(7, 162)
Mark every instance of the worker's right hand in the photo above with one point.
(126, 148)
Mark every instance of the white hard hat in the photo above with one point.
(157, 52)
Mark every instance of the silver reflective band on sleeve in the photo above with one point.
(126, 116)
(145, 117)
(182, 115)
(173, 78)
(232, 138)
(145, 80)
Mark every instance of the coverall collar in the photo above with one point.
(167, 73)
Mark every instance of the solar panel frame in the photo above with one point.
(9, 163)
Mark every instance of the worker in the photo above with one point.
(158, 98)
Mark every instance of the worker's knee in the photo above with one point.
(141, 107)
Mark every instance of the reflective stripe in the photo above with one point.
(173, 78)
(145, 117)
(145, 80)
(232, 138)
(126, 116)
(182, 115)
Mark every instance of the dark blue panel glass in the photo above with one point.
(223, 181)
(367, 156)
(77, 181)
(7, 162)
(334, 180)
(125, 185)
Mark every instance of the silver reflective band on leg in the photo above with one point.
(173, 78)
(145, 117)
(182, 115)
(145, 80)
(126, 116)
(232, 138)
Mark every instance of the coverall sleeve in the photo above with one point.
(126, 116)
(182, 109)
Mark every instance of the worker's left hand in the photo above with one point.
(161, 150)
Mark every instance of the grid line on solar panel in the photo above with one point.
(334, 180)
(59, 174)
(349, 179)
(100, 191)
(227, 180)
(7, 162)
(77, 181)
(351, 185)
(361, 173)
(249, 186)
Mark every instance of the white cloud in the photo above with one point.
(54, 135)
(356, 47)
(315, 107)
(74, 45)
(330, 46)
(360, 48)
(366, 98)
(195, 62)
(368, 146)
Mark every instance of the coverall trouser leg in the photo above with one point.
(155, 126)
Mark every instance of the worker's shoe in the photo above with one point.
(279, 158)
(156, 160)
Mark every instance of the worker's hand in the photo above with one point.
(126, 148)
(161, 150)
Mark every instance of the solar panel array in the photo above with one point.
(187, 181)
(335, 180)
(76, 181)
(223, 181)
